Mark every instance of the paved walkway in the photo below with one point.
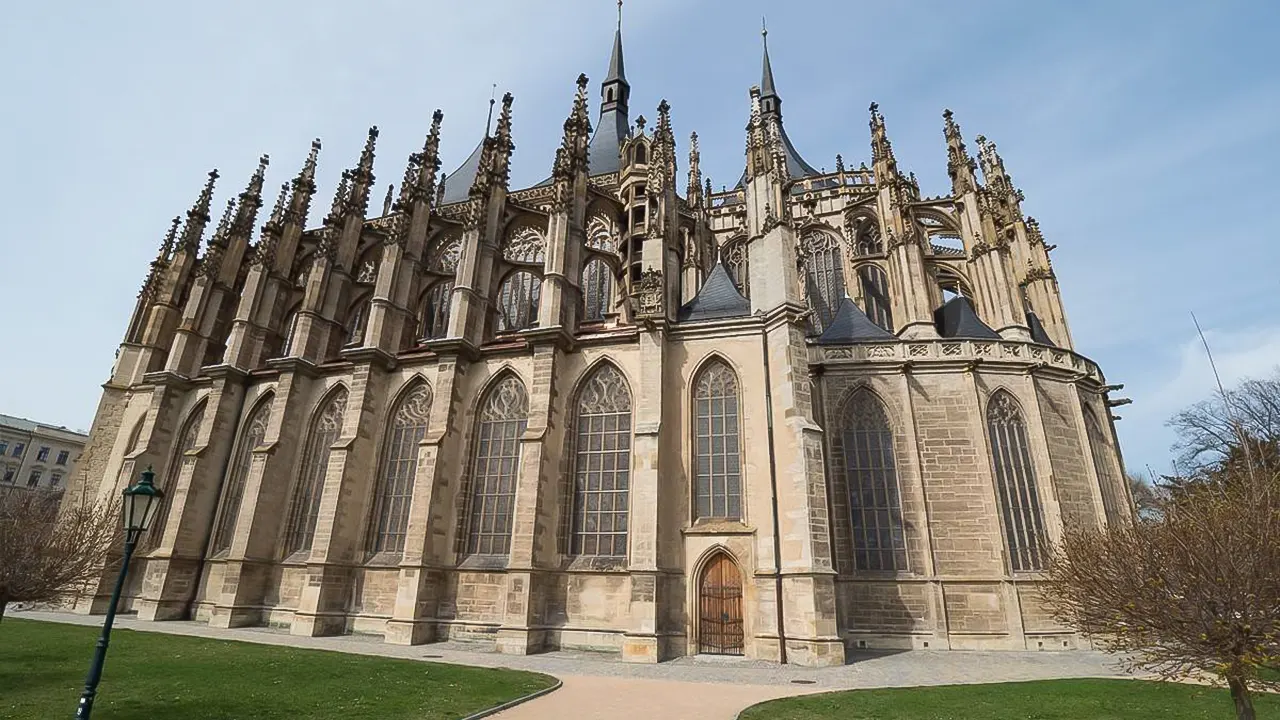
(600, 686)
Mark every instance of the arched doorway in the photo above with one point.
(720, 607)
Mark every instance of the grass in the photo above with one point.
(156, 677)
(1040, 700)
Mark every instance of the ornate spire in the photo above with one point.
(223, 232)
(158, 265)
(839, 163)
(362, 176)
(757, 147)
(773, 103)
(304, 188)
(706, 198)
(429, 163)
(693, 191)
(338, 209)
(198, 217)
(503, 144)
(617, 72)
(264, 253)
(386, 200)
(662, 161)
(571, 156)
(250, 201)
(960, 166)
(881, 148)
(211, 263)
(444, 177)
(166, 245)
(993, 172)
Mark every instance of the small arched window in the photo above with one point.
(518, 301)
(286, 338)
(875, 295)
(717, 449)
(737, 263)
(602, 465)
(867, 237)
(597, 290)
(255, 429)
(357, 321)
(872, 475)
(1015, 483)
(639, 156)
(435, 310)
(504, 416)
(1113, 502)
(186, 440)
(399, 471)
(304, 505)
(824, 277)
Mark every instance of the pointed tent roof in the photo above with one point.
(614, 126)
(616, 69)
(766, 71)
(717, 298)
(796, 166)
(851, 325)
(457, 185)
(1038, 333)
(958, 319)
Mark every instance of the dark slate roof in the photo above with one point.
(602, 153)
(851, 325)
(1038, 333)
(958, 319)
(717, 298)
(796, 166)
(457, 184)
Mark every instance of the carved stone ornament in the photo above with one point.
(649, 292)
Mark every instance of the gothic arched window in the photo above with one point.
(399, 471)
(872, 476)
(186, 440)
(597, 290)
(602, 465)
(738, 264)
(824, 277)
(868, 242)
(600, 234)
(304, 505)
(255, 429)
(435, 310)
(525, 245)
(1113, 503)
(491, 500)
(875, 294)
(518, 301)
(717, 450)
(1015, 483)
(357, 321)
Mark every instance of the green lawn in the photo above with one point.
(154, 677)
(1041, 700)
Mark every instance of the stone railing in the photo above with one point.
(956, 350)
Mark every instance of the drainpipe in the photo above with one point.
(773, 485)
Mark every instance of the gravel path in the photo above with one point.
(602, 686)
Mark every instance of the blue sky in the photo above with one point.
(1144, 135)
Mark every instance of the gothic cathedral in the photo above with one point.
(810, 413)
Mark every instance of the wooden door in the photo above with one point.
(720, 608)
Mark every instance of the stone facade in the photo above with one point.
(37, 456)
(535, 417)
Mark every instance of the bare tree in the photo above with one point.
(45, 555)
(1192, 592)
(1146, 497)
(1209, 430)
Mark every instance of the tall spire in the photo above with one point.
(615, 123)
(250, 201)
(768, 93)
(693, 192)
(362, 176)
(304, 188)
(198, 216)
(881, 148)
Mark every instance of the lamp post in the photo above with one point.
(141, 502)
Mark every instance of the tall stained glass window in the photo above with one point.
(1015, 483)
(602, 465)
(492, 489)
(824, 277)
(872, 476)
(399, 471)
(717, 451)
(186, 440)
(304, 504)
(255, 429)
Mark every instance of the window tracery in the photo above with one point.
(357, 321)
(1016, 490)
(394, 493)
(824, 277)
(602, 466)
(601, 234)
(251, 437)
(875, 295)
(304, 506)
(186, 441)
(491, 500)
(446, 254)
(518, 299)
(717, 451)
(597, 290)
(871, 472)
(435, 310)
(525, 245)
(737, 262)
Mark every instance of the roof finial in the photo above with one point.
(619, 15)
(764, 29)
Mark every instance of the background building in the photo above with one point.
(813, 412)
(34, 455)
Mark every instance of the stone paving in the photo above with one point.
(602, 686)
